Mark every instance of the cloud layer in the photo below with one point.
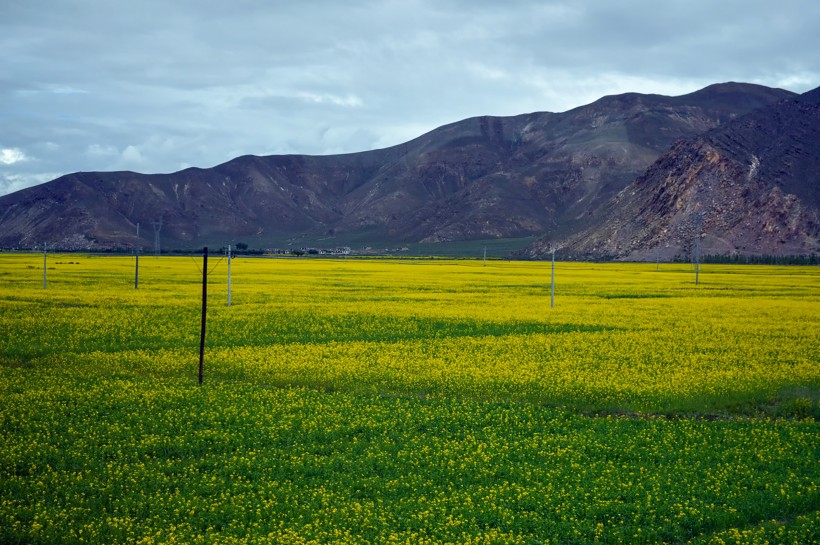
(156, 86)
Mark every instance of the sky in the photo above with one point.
(156, 86)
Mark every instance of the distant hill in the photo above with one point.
(480, 178)
(749, 187)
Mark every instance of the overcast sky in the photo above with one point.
(158, 85)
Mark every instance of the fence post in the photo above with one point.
(229, 275)
(552, 287)
(204, 311)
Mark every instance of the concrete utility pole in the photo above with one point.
(698, 228)
(229, 275)
(157, 228)
(45, 253)
(485, 256)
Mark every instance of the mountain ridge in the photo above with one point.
(748, 187)
(482, 177)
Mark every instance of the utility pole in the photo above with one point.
(485, 256)
(552, 288)
(45, 253)
(204, 311)
(229, 275)
(137, 259)
(698, 229)
(157, 228)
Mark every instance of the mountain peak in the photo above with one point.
(480, 178)
(811, 96)
(739, 87)
(754, 181)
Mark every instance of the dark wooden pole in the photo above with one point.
(204, 311)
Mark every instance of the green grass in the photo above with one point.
(496, 248)
(391, 401)
(120, 460)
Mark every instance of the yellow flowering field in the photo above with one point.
(407, 401)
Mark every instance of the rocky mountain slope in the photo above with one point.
(750, 187)
(485, 177)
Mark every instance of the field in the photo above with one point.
(408, 401)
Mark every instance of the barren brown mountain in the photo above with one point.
(485, 177)
(750, 187)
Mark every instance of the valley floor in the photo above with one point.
(407, 401)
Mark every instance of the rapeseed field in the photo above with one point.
(431, 401)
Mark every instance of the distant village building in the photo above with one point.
(341, 250)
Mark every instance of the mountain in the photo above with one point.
(749, 187)
(484, 177)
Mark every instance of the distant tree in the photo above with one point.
(241, 246)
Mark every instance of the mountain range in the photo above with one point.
(748, 187)
(627, 177)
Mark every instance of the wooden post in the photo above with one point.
(204, 311)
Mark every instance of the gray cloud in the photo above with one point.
(157, 86)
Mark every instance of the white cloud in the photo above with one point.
(65, 90)
(131, 156)
(350, 101)
(485, 71)
(9, 183)
(10, 156)
(100, 150)
(797, 82)
(50, 89)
